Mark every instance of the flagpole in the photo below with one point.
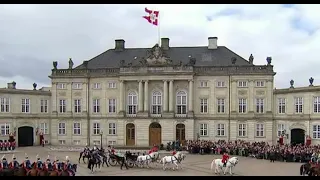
(159, 30)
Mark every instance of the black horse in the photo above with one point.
(94, 160)
(305, 169)
(84, 154)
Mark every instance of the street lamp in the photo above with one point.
(101, 133)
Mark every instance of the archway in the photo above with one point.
(181, 133)
(25, 136)
(154, 134)
(131, 134)
(297, 136)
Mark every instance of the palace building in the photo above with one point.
(146, 96)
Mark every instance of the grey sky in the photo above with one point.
(32, 36)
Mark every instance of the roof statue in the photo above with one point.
(155, 56)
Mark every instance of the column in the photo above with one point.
(171, 96)
(234, 100)
(140, 105)
(251, 99)
(269, 95)
(121, 109)
(165, 96)
(190, 96)
(146, 96)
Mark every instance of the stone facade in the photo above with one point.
(121, 105)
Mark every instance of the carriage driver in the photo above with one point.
(68, 166)
(27, 163)
(86, 148)
(225, 158)
(39, 162)
(5, 164)
(154, 149)
(14, 164)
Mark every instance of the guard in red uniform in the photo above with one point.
(225, 158)
(154, 149)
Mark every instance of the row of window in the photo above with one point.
(75, 85)
(76, 128)
(240, 84)
(78, 142)
(298, 105)
(25, 105)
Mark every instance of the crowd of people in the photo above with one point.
(259, 150)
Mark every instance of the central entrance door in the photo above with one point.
(297, 136)
(131, 136)
(25, 136)
(154, 134)
(181, 133)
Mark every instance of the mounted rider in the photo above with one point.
(111, 149)
(56, 164)
(314, 157)
(39, 163)
(225, 158)
(27, 163)
(68, 166)
(48, 164)
(14, 164)
(4, 163)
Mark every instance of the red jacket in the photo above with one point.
(225, 157)
(174, 153)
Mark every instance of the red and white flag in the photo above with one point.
(152, 17)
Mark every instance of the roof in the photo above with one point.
(204, 57)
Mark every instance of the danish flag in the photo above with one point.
(152, 17)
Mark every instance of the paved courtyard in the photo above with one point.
(194, 165)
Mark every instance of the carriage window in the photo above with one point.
(156, 103)
(181, 102)
(132, 103)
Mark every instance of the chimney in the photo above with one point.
(212, 43)
(165, 43)
(12, 85)
(119, 44)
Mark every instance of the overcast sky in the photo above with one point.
(32, 36)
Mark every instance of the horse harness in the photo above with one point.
(175, 158)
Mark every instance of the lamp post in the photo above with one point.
(101, 133)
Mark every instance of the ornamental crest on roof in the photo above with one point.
(155, 57)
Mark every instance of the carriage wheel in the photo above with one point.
(112, 162)
(130, 163)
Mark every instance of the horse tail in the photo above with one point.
(301, 169)
(212, 164)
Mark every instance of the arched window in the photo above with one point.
(156, 104)
(181, 102)
(132, 103)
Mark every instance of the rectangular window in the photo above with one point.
(76, 128)
(242, 130)
(203, 129)
(96, 105)
(203, 83)
(112, 105)
(44, 105)
(5, 129)
(77, 106)
(76, 85)
(5, 105)
(112, 143)
(132, 103)
(112, 85)
(242, 84)
(298, 104)
(62, 106)
(221, 105)
(281, 105)
(316, 131)
(260, 83)
(96, 128)
(112, 128)
(242, 105)
(221, 84)
(96, 86)
(156, 103)
(25, 105)
(62, 129)
(76, 142)
(44, 128)
(259, 105)
(220, 130)
(203, 105)
(61, 86)
(259, 130)
(281, 129)
(62, 142)
(316, 104)
(181, 102)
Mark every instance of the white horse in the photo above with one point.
(232, 162)
(175, 159)
(147, 159)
